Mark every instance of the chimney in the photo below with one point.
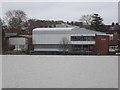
(116, 27)
(112, 26)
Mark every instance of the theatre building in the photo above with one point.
(70, 39)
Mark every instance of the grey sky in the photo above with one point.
(66, 11)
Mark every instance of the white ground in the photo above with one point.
(60, 71)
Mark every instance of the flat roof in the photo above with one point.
(51, 29)
(69, 30)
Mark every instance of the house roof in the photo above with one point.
(23, 36)
(10, 34)
(69, 30)
(51, 29)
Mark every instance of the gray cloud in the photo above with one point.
(65, 10)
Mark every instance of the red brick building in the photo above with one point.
(102, 44)
(15, 34)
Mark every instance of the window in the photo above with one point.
(113, 47)
(82, 38)
(103, 39)
(82, 48)
(111, 37)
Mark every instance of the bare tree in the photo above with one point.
(15, 18)
(64, 43)
(86, 19)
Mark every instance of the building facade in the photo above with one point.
(62, 38)
(71, 39)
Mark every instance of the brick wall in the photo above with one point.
(30, 45)
(102, 45)
(5, 44)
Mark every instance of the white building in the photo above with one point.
(51, 39)
(19, 43)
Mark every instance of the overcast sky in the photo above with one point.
(67, 11)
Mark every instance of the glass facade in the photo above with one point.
(82, 48)
(82, 38)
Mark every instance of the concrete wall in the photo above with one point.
(60, 71)
(49, 38)
(17, 41)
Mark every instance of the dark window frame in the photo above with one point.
(82, 38)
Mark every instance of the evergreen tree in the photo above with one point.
(96, 23)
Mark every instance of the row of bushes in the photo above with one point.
(14, 53)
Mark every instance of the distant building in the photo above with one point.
(63, 37)
(16, 40)
(17, 43)
(80, 40)
(114, 43)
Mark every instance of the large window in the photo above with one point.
(82, 48)
(82, 38)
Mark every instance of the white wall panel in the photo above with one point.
(83, 42)
(49, 38)
(17, 41)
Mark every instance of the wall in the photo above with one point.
(57, 38)
(5, 44)
(102, 44)
(30, 45)
(59, 71)
(17, 41)
(49, 38)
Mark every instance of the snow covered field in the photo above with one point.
(59, 71)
